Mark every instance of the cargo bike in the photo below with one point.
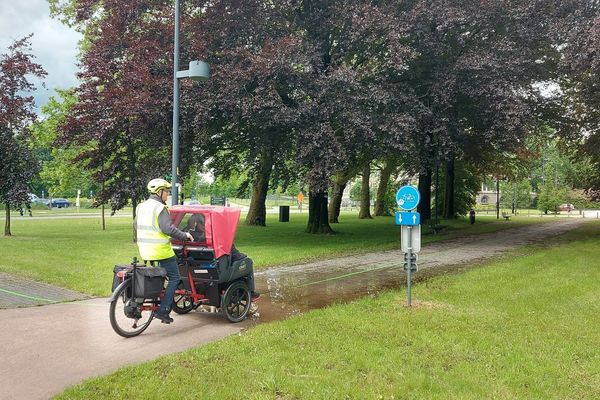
(211, 274)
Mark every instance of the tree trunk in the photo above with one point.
(424, 207)
(497, 198)
(257, 214)
(365, 196)
(7, 221)
(103, 216)
(317, 213)
(386, 172)
(449, 208)
(335, 204)
(134, 204)
(437, 193)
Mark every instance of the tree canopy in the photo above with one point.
(317, 91)
(18, 165)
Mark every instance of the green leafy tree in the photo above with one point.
(515, 194)
(230, 186)
(356, 190)
(387, 201)
(191, 184)
(554, 190)
(18, 165)
(203, 187)
(61, 174)
(382, 206)
(551, 197)
(466, 185)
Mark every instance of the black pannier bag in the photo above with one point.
(149, 282)
(116, 280)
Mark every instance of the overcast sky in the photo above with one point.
(53, 44)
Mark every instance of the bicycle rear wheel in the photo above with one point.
(126, 317)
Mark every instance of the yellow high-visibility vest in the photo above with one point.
(152, 242)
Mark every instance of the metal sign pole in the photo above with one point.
(409, 264)
(407, 198)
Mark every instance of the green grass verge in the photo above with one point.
(76, 254)
(522, 328)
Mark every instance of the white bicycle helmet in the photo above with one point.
(158, 184)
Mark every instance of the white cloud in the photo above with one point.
(53, 44)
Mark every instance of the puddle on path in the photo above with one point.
(287, 291)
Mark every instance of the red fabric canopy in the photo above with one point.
(220, 224)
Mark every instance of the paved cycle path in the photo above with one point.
(20, 292)
(48, 348)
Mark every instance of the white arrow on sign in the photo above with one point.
(414, 219)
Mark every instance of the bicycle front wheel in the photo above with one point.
(126, 316)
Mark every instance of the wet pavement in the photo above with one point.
(46, 349)
(298, 288)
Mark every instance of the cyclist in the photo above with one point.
(154, 228)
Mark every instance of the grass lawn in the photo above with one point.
(521, 328)
(76, 254)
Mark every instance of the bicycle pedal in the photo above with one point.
(165, 322)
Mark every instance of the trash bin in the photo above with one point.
(284, 213)
(218, 200)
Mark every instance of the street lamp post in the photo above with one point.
(198, 71)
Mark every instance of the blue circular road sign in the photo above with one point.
(408, 197)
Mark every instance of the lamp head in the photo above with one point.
(199, 71)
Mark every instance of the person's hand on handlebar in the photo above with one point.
(189, 236)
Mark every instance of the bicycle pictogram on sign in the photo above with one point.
(407, 197)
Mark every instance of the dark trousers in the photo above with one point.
(170, 264)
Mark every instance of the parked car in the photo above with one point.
(33, 199)
(566, 207)
(60, 203)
